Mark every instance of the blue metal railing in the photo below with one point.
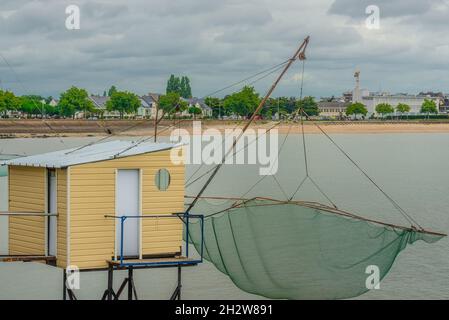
(185, 217)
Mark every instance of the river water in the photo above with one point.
(412, 168)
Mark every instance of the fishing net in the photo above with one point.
(298, 250)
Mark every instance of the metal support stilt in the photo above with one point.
(179, 282)
(127, 282)
(64, 284)
(66, 291)
(177, 293)
(130, 283)
(110, 280)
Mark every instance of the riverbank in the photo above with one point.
(37, 128)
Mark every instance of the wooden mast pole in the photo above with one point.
(156, 116)
(299, 54)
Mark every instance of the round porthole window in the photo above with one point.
(162, 179)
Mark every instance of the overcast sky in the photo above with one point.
(137, 44)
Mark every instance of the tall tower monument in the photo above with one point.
(356, 94)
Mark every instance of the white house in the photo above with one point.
(100, 104)
(206, 111)
(147, 108)
(332, 109)
(151, 101)
(52, 102)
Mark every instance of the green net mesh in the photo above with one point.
(291, 251)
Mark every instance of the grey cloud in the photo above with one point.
(137, 44)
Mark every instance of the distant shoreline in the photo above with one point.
(19, 128)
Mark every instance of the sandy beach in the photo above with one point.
(38, 128)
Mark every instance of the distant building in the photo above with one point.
(347, 96)
(144, 111)
(206, 111)
(147, 108)
(333, 109)
(371, 100)
(445, 107)
(414, 101)
(100, 104)
(442, 98)
(52, 102)
(152, 99)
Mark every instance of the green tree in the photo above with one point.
(271, 107)
(73, 100)
(123, 102)
(402, 108)
(188, 88)
(185, 89)
(194, 110)
(287, 104)
(104, 93)
(242, 103)
(217, 106)
(8, 102)
(171, 103)
(429, 106)
(111, 91)
(179, 85)
(32, 105)
(356, 109)
(50, 110)
(170, 84)
(173, 85)
(384, 108)
(309, 105)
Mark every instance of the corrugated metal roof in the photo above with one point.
(93, 153)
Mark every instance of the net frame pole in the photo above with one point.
(299, 54)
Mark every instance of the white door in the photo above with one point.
(127, 204)
(52, 208)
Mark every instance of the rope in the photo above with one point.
(305, 157)
(261, 179)
(409, 218)
(107, 137)
(246, 79)
(299, 187)
(304, 146)
(271, 71)
(302, 79)
(306, 164)
(188, 183)
(277, 68)
(202, 163)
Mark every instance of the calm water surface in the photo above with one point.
(412, 168)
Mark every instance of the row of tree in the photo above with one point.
(244, 102)
(71, 101)
(428, 107)
(76, 100)
(27, 104)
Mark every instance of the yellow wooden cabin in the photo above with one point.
(82, 186)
